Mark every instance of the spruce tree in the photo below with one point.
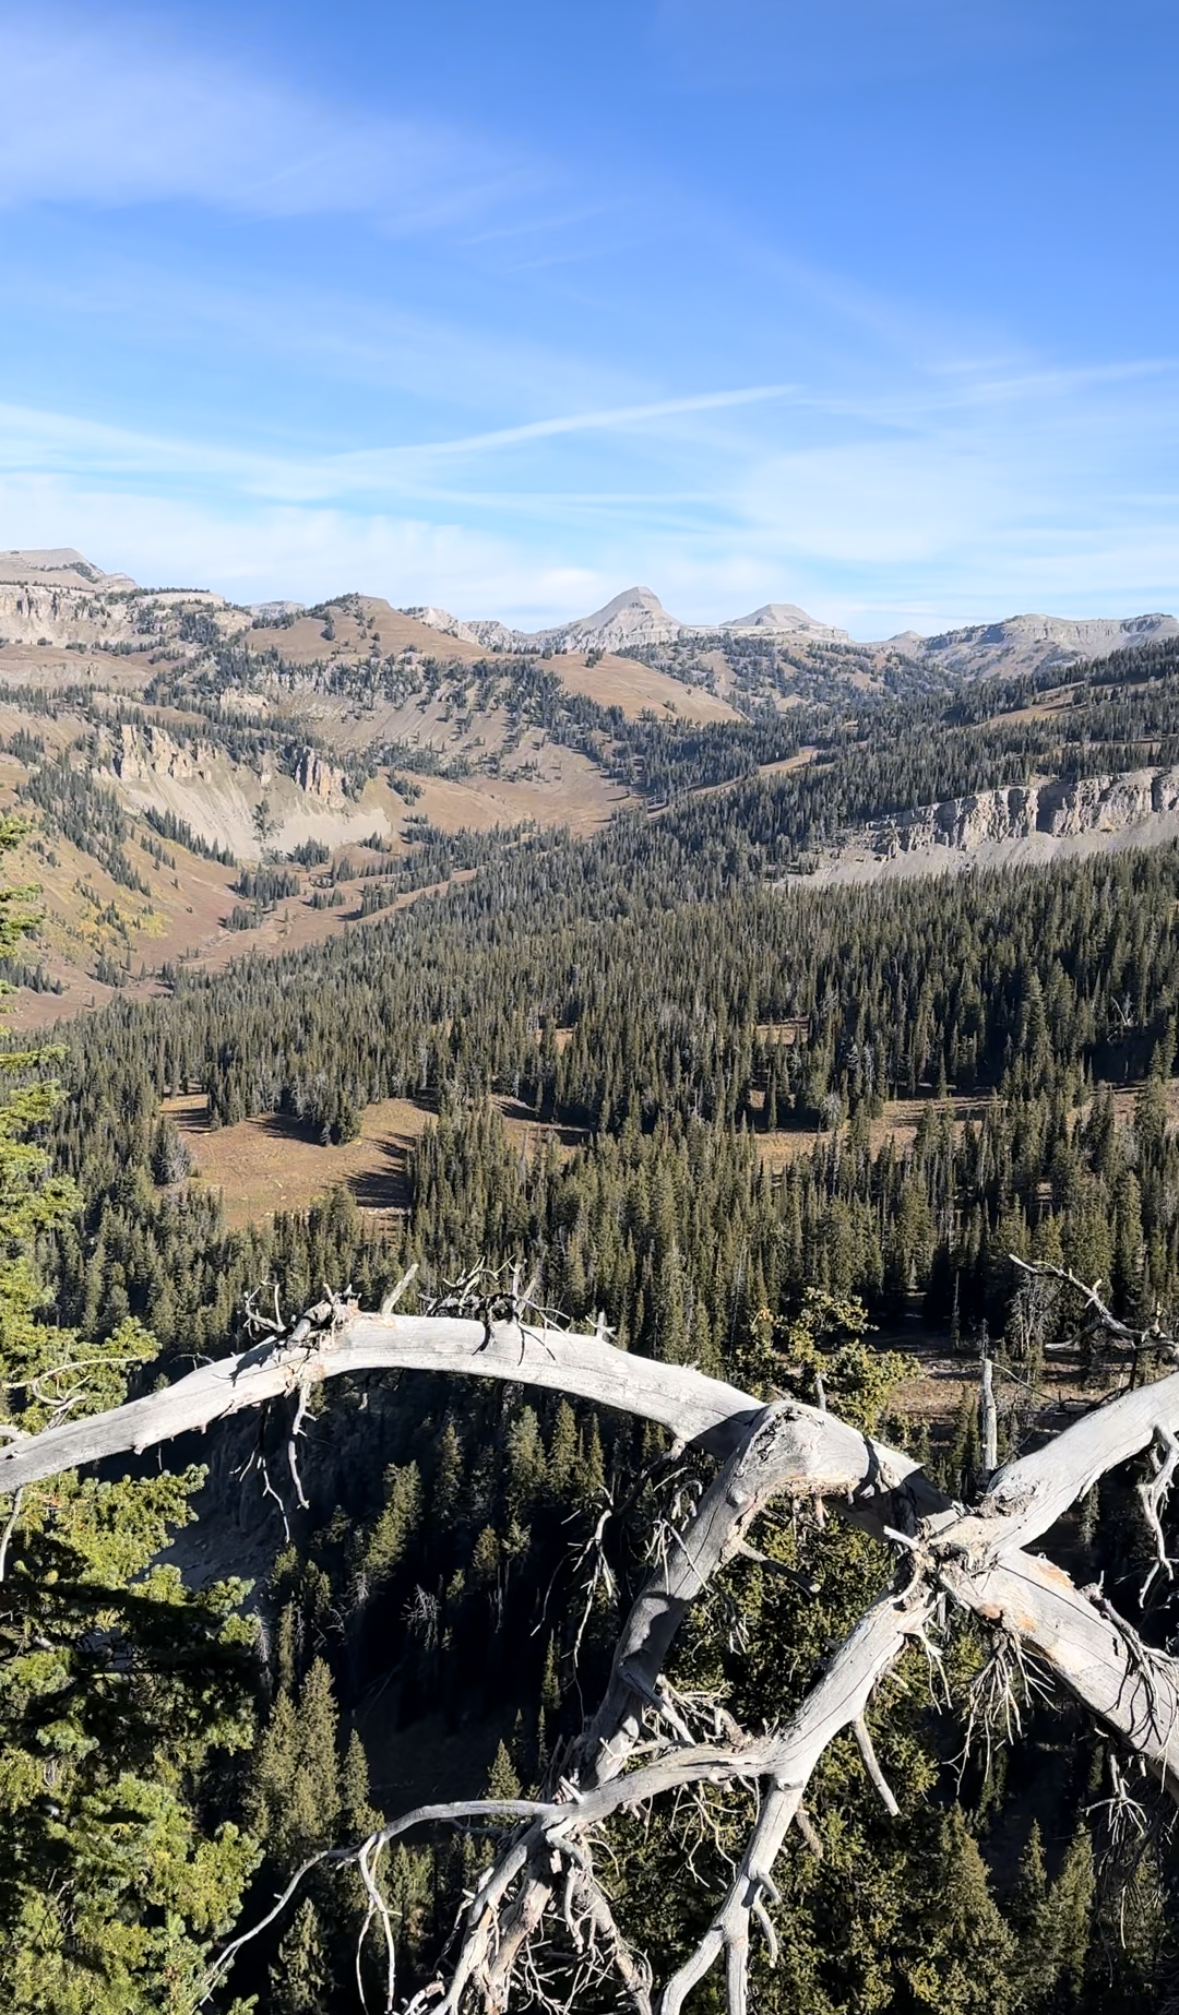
(964, 1962)
(117, 1687)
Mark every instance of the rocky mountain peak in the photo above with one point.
(786, 619)
(58, 567)
(636, 616)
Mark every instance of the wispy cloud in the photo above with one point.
(110, 112)
(424, 422)
(251, 553)
(612, 419)
(31, 438)
(967, 495)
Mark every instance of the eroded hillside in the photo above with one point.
(202, 779)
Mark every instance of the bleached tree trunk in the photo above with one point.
(639, 1744)
(989, 1418)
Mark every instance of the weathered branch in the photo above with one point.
(837, 1701)
(701, 1411)
(977, 1557)
(989, 1418)
(785, 1760)
(10, 1524)
(868, 1754)
(1153, 1337)
(1100, 1660)
(776, 1456)
(786, 1451)
(1026, 1497)
(1153, 1496)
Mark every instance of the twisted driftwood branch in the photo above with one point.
(976, 1556)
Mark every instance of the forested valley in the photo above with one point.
(220, 1656)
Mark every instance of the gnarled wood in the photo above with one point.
(1101, 1661)
(698, 1410)
(976, 1556)
(1029, 1495)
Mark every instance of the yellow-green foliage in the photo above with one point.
(116, 1684)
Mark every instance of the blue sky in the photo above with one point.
(867, 305)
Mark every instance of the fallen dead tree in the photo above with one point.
(641, 1744)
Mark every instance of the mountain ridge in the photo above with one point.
(635, 621)
(62, 566)
(636, 618)
(202, 779)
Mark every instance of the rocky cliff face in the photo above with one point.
(1059, 810)
(32, 612)
(1024, 643)
(138, 753)
(1018, 826)
(319, 778)
(199, 783)
(61, 609)
(450, 626)
(143, 753)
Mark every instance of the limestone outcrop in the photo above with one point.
(316, 776)
(1062, 808)
(137, 752)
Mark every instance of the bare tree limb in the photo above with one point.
(10, 1525)
(774, 1459)
(1086, 1647)
(976, 1556)
(786, 1760)
(989, 1418)
(837, 1701)
(864, 1740)
(1154, 1337)
(1027, 1496)
(785, 1452)
(1153, 1495)
(703, 1411)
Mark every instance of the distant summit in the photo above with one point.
(636, 619)
(636, 616)
(786, 619)
(1021, 643)
(58, 566)
(632, 620)
(40, 587)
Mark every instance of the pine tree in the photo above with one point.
(1035, 1969)
(964, 1962)
(1068, 1919)
(448, 1477)
(301, 1977)
(502, 1778)
(965, 1452)
(117, 1687)
(387, 1540)
(296, 1795)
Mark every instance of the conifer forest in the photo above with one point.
(569, 1587)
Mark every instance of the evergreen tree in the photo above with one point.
(965, 1959)
(117, 1687)
(301, 1979)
